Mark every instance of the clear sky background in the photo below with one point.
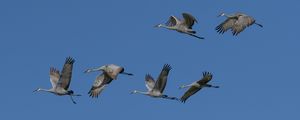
(257, 71)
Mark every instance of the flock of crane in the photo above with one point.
(61, 81)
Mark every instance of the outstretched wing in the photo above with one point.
(66, 73)
(161, 82)
(114, 70)
(101, 81)
(242, 22)
(189, 20)
(192, 90)
(172, 21)
(150, 83)
(54, 76)
(226, 25)
(207, 76)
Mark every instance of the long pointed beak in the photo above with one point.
(222, 14)
(156, 26)
(35, 90)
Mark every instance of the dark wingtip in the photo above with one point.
(205, 73)
(167, 66)
(69, 60)
(52, 69)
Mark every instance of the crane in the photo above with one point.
(61, 82)
(182, 26)
(237, 23)
(156, 88)
(110, 72)
(196, 86)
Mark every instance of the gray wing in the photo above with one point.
(101, 81)
(242, 22)
(226, 25)
(172, 21)
(54, 76)
(189, 20)
(150, 83)
(66, 73)
(207, 76)
(161, 82)
(114, 70)
(192, 90)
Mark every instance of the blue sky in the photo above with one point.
(258, 71)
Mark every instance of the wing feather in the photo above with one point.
(242, 22)
(99, 84)
(189, 20)
(150, 83)
(161, 82)
(226, 25)
(54, 76)
(207, 76)
(114, 70)
(66, 74)
(192, 90)
(172, 21)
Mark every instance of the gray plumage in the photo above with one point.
(182, 26)
(156, 88)
(196, 86)
(61, 82)
(109, 73)
(237, 23)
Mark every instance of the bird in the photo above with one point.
(61, 82)
(110, 72)
(182, 26)
(197, 85)
(156, 88)
(237, 23)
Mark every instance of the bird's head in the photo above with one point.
(133, 92)
(36, 90)
(182, 86)
(158, 25)
(88, 71)
(221, 14)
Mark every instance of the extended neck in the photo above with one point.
(41, 89)
(185, 86)
(167, 27)
(228, 16)
(93, 70)
(140, 92)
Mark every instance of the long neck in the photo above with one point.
(229, 16)
(168, 27)
(45, 90)
(185, 86)
(93, 69)
(141, 92)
